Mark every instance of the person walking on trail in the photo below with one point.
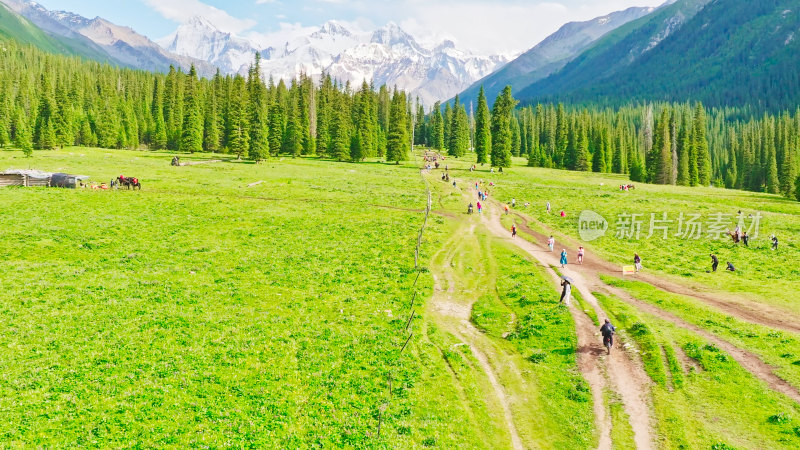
(580, 255)
(563, 258)
(548, 207)
(506, 209)
(566, 292)
(513, 231)
(608, 330)
(469, 209)
(513, 203)
(550, 243)
(745, 239)
(730, 267)
(479, 207)
(637, 262)
(714, 262)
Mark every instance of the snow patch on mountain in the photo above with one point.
(387, 55)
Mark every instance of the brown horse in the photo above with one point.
(734, 236)
(129, 182)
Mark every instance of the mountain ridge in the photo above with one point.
(388, 55)
(119, 44)
(552, 53)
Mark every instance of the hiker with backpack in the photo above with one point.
(608, 330)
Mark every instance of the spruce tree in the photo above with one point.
(211, 130)
(237, 132)
(437, 128)
(173, 107)
(447, 123)
(324, 114)
(773, 183)
(684, 149)
(731, 174)
(420, 137)
(275, 134)
(516, 136)
(459, 131)
(397, 140)
(483, 129)
(501, 129)
(340, 133)
(561, 137)
(44, 134)
(660, 157)
(789, 170)
(582, 150)
(700, 146)
(22, 134)
(159, 138)
(292, 136)
(599, 155)
(259, 113)
(192, 132)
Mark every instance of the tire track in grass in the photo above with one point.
(626, 376)
(445, 305)
(732, 304)
(746, 359)
(749, 361)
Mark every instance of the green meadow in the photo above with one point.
(236, 304)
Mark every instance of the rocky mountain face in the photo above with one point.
(553, 53)
(616, 51)
(721, 52)
(122, 45)
(388, 55)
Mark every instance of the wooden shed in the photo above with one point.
(12, 179)
(29, 177)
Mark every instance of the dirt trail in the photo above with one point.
(747, 360)
(733, 305)
(593, 267)
(445, 304)
(626, 376)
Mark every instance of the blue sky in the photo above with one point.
(500, 26)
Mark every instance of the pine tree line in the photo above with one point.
(49, 101)
(662, 143)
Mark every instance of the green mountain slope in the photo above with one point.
(14, 26)
(552, 53)
(734, 53)
(617, 50)
(730, 53)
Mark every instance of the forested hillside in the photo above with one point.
(733, 53)
(663, 143)
(14, 26)
(730, 53)
(552, 53)
(49, 101)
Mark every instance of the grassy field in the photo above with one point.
(676, 257)
(202, 312)
(206, 310)
(709, 401)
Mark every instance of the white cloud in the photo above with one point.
(183, 10)
(286, 33)
(510, 27)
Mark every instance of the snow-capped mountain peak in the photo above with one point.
(387, 55)
(199, 38)
(332, 28)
